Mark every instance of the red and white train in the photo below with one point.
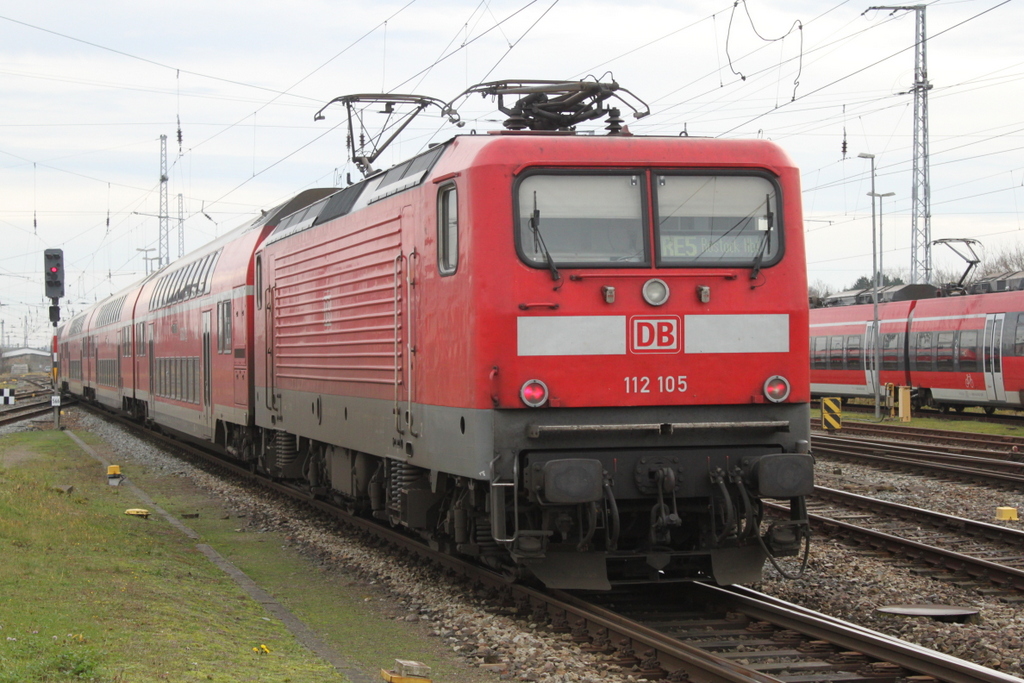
(581, 358)
(953, 351)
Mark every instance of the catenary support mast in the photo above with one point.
(181, 226)
(164, 251)
(920, 194)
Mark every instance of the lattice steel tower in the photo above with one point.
(920, 193)
(164, 251)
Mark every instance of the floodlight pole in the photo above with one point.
(874, 291)
(881, 251)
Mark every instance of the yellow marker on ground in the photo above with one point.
(1006, 514)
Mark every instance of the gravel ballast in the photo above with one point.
(840, 581)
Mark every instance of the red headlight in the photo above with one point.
(534, 393)
(776, 388)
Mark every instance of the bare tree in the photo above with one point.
(1005, 259)
(820, 289)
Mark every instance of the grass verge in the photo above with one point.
(88, 593)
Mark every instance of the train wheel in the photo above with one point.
(989, 410)
(943, 408)
(959, 409)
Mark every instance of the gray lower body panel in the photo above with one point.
(455, 440)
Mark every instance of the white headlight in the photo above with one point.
(655, 292)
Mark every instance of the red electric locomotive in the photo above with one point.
(953, 351)
(574, 357)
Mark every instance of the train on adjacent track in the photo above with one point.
(954, 351)
(577, 358)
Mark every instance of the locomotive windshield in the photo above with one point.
(582, 220)
(599, 220)
(716, 220)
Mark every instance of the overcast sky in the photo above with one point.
(89, 88)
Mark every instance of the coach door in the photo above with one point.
(152, 368)
(207, 366)
(993, 345)
(870, 356)
(405, 293)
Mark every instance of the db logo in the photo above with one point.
(655, 335)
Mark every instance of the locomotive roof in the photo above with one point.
(543, 147)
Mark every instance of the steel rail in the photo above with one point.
(1007, 577)
(922, 451)
(971, 527)
(872, 643)
(27, 412)
(875, 451)
(961, 443)
(950, 416)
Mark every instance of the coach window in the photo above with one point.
(967, 352)
(1018, 337)
(820, 349)
(925, 358)
(176, 283)
(835, 353)
(447, 230)
(891, 351)
(224, 327)
(944, 351)
(204, 274)
(853, 352)
(259, 281)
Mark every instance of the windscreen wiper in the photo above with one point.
(766, 243)
(538, 240)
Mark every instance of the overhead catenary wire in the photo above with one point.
(865, 68)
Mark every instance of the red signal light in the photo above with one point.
(776, 389)
(534, 393)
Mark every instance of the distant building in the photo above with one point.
(21, 361)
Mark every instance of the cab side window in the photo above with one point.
(447, 230)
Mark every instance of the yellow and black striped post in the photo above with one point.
(831, 414)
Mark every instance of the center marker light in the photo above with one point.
(534, 393)
(655, 291)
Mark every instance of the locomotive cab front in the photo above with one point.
(648, 380)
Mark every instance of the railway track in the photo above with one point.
(27, 411)
(778, 641)
(952, 414)
(773, 639)
(923, 459)
(1000, 446)
(967, 551)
